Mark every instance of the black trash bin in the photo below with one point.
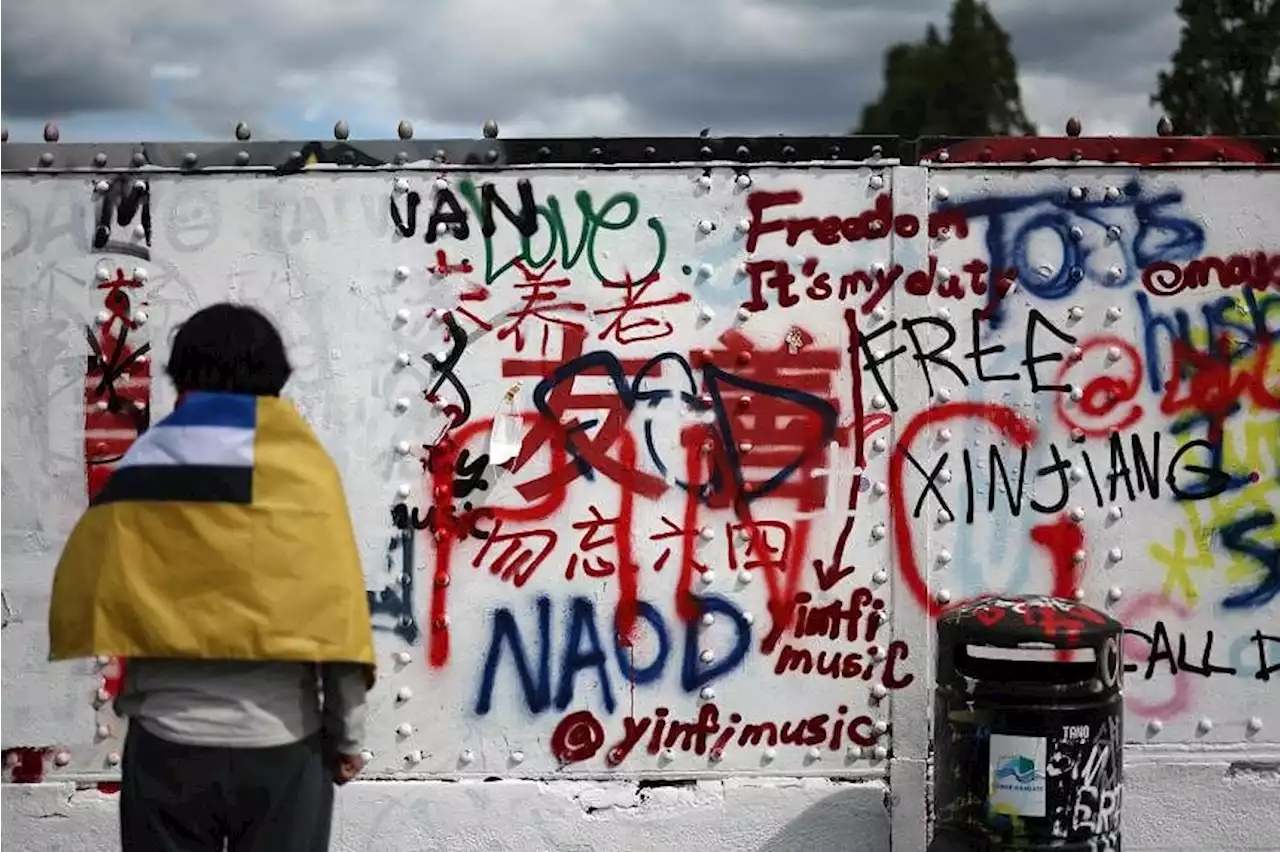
(1027, 729)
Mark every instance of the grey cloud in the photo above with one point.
(1101, 41)
(54, 92)
(731, 98)
(59, 57)
(739, 66)
(682, 71)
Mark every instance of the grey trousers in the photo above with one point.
(180, 798)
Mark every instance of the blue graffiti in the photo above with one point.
(398, 604)
(1246, 337)
(1235, 537)
(633, 393)
(584, 651)
(1130, 230)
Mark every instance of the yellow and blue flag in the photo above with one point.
(223, 533)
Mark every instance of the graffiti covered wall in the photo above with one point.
(661, 474)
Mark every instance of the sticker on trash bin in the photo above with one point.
(1015, 780)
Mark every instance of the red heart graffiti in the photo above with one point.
(989, 616)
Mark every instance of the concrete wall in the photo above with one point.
(757, 385)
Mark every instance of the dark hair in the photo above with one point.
(229, 348)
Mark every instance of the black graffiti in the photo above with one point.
(409, 519)
(327, 153)
(1261, 640)
(930, 360)
(444, 369)
(123, 200)
(470, 474)
(109, 368)
(1129, 474)
(930, 483)
(447, 210)
(1160, 650)
(393, 602)
(468, 477)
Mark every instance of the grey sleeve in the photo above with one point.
(344, 705)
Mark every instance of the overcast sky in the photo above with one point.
(115, 70)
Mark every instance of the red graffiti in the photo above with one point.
(1106, 402)
(628, 591)
(440, 466)
(876, 282)
(117, 385)
(452, 526)
(767, 433)
(117, 407)
(25, 764)
(1059, 619)
(760, 553)
(593, 538)
(864, 426)
(1005, 419)
(1064, 540)
(763, 444)
(443, 268)
(1214, 383)
(476, 293)
(624, 328)
(566, 430)
(113, 677)
(711, 733)
(873, 224)
(837, 620)
(540, 300)
(846, 664)
(764, 436)
(525, 551)
(1138, 151)
(673, 531)
(577, 737)
(1258, 271)
(686, 602)
(521, 552)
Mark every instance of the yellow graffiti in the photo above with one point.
(1192, 546)
(1251, 447)
(1178, 564)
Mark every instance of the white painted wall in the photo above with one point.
(478, 769)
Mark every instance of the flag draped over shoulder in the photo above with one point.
(223, 533)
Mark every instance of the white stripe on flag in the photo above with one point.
(220, 446)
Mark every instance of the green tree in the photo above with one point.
(966, 85)
(1225, 74)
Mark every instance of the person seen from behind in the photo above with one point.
(219, 563)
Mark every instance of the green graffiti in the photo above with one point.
(551, 222)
